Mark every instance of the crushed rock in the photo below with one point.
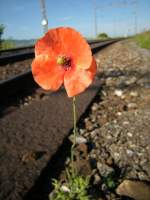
(118, 125)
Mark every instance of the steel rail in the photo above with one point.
(22, 53)
(32, 46)
(24, 80)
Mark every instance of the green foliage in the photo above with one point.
(77, 188)
(2, 27)
(7, 44)
(102, 36)
(111, 181)
(143, 39)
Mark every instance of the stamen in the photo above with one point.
(64, 61)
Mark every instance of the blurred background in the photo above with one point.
(22, 22)
(113, 114)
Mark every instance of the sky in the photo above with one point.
(22, 18)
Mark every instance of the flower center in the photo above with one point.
(64, 61)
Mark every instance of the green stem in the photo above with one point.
(74, 136)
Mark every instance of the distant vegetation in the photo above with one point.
(102, 36)
(2, 27)
(22, 43)
(143, 39)
(7, 44)
(11, 43)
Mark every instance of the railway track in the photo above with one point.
(26, 48)
(37, 129)
(16, 61)
(18, 54)
(19, 82)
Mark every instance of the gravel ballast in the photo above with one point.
(116, 127)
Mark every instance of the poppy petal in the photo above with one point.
(65, 41)
(48, 45)
(76, 81)
(77, 46)
(47, 73)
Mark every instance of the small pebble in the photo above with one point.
(125, 122)
(133, 94)
(118, 93)
(80, 140)
(129, 134)
(110, 161)
(132, 106)
(129, 152)
(97, 179)
(64, 188)
(119, 113)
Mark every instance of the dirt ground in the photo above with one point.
(12, 69)
(118, 125)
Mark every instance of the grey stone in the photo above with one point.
(131, 80)
(118, 93)
(129, 152)
(104, 169)
(132, 106)
(134, 189)
(133, 93)
(97, 179)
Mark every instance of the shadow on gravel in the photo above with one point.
(43, 185)
(56, 165)
(13, 102)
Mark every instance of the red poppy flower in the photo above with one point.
(63, 56)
